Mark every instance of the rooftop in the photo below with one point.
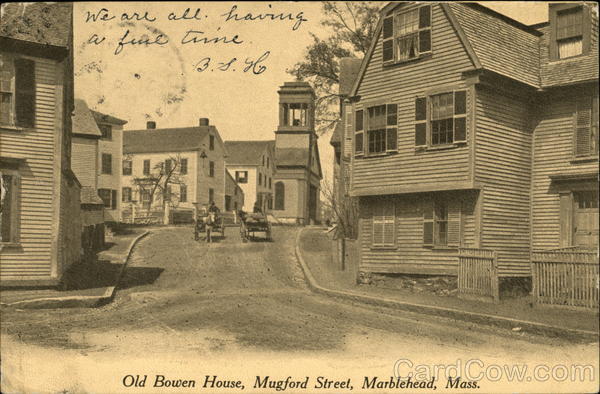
(83, 120)
(247, 153)
(179, 139)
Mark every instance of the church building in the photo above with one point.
(297, 182)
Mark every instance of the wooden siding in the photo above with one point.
(553, 155)
(400, 84)
(503, 166)
(410, 255)
(33, 258)
(82, 161)
(113, 147)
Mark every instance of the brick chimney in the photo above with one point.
(151, 125)
(203, 122)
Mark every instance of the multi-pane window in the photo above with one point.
(295, 114)
(586, 126)
(127, 167)
(106, 196)
(146, 167)
(447, 114)
(211, 169)
(8, 207)
(381, 128)
(106, 131)
(182, 193)
(569, 32)
(241, 176)
(17, 90)
(407, 34)
(126, 194)
(183, 166)
(106, 163)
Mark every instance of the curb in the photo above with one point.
(80, 301)
(471, 317)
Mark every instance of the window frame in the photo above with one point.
(391, 36)
(432, 220)
(146, 167)
(211, 142)
(126, 194)
(423, 122)
(243, 179)
(106, 130)
(279, 196)
(387, 131)
(591, 148)
(127, 168)
(19, 98)
(183, 166)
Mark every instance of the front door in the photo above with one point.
(585, 229)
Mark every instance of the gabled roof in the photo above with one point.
(104, 118)
(40, 23)
(247, 153)
(349, 69)
(182, 139)
(492, 41)
(501, 44)
(83, 120)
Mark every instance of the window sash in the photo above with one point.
(146, 167)
(127, 167)
(183, 166)
(441, 119)
(9, 215)
(569, 23)
(211, 169)
(182, 193)
(126, 194)
(106, 163)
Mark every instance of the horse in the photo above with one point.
(209, 221)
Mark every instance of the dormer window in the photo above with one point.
(570, 30)
(294, 114)
(407, 35)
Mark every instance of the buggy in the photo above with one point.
(253, 223)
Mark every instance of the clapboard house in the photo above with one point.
(176, 168)
(472, 130)
(40, 195)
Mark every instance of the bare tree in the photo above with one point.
(158, 184)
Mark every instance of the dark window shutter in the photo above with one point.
(392, 139)
(388, 27)
(392, 114)
(25, 92)
(388, 50)
(460, 129)
(388, 39)
(424, 41)
(583, 126)
(424, 16)
(421, 108)
(359, 120)
(358, 143)
(428, 222)
(420, 134)
(460, 102)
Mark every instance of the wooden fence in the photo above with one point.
(567, 277)
(478, 273)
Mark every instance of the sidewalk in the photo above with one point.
(88, 284)
(314, 247)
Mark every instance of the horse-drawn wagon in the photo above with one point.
(253, 223)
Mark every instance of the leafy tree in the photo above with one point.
(352, 26)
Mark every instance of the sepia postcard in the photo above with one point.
(299, 197)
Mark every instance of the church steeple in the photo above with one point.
(296, 108)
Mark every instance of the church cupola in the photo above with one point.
(296, 107)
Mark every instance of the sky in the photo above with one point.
(178, 77)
